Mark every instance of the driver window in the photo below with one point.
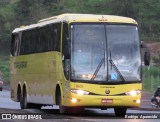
(65, 51)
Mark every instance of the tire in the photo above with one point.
(19, 94)
(25, 105)
(62, 109)
(120, 111)
(1, 88)
(23, 100)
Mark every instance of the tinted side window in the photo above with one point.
(42, 39)
(25, 43)
(15, 44)
(57, 36)
(50, 37)
(65, 40)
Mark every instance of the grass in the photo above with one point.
(151, 78)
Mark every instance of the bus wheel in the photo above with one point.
(59, 102)
(62, 109)
(120, 111)
(19, 94)
(23, 100)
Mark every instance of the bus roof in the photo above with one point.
(77, 18)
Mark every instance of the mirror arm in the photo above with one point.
(144, 46)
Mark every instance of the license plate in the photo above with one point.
(107, 101)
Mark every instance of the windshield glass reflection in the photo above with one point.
(93, 42)
(88, 48)
(123, 43)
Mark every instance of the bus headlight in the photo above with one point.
(133, 92)
(79, 92)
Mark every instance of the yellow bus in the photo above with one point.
(77, 61)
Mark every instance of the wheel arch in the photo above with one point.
(58, 91)
(19, 91)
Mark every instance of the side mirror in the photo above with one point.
(146, 54)
(147, 58)
(143, 45)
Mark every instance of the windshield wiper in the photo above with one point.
(97, 69)
(115, 67)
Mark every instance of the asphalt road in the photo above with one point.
(7, 106)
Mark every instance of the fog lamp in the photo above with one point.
(138, 101)
(73, 100)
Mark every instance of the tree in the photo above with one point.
(22, 11)
(30, 11)
(148, 11)
(123, 8)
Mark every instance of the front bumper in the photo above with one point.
(103, 101)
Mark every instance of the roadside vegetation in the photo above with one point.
(151, 78)
(4, 68)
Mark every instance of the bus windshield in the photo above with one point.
(95, 45)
